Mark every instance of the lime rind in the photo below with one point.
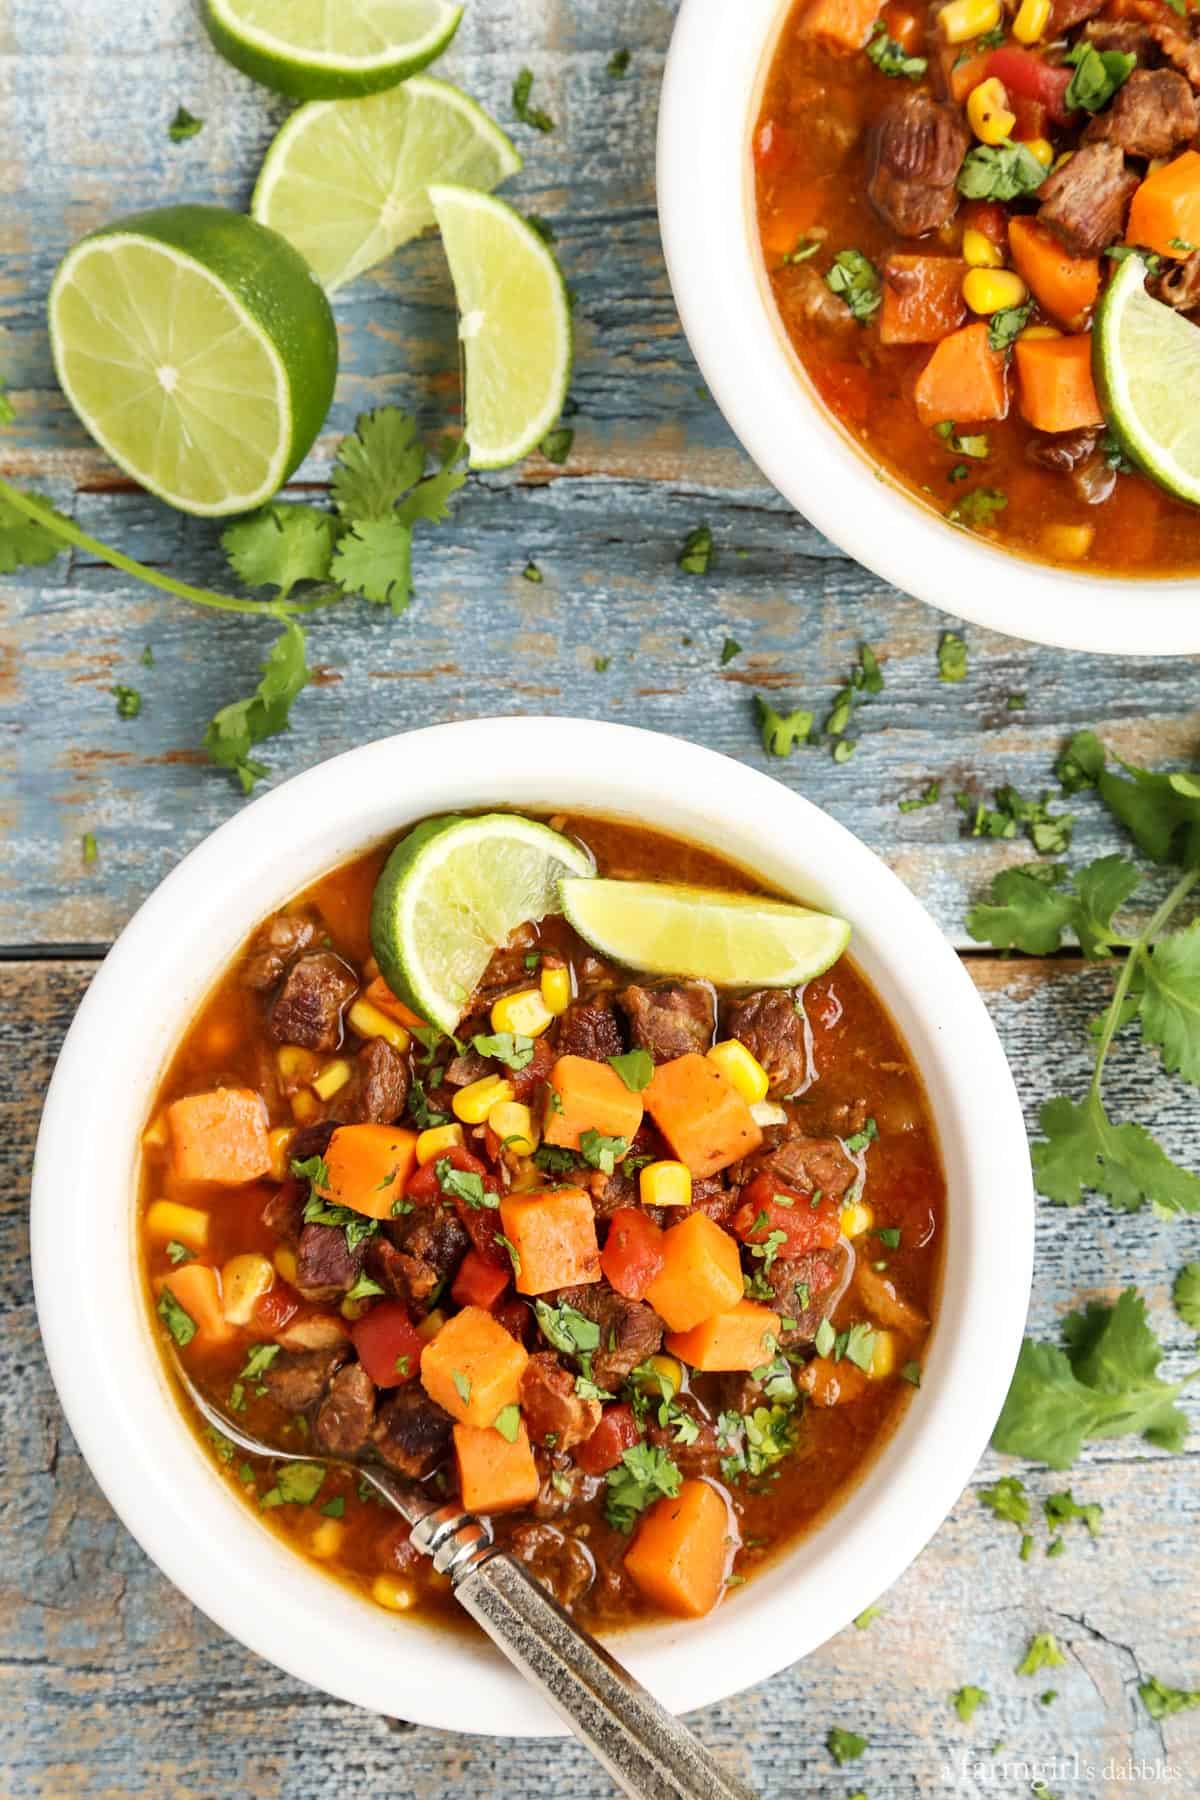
(302, 65)
(452, 892)
(732, 940)
(346, 181)
(1146, 359)
(514, 323)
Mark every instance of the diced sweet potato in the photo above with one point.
(588, 1096)
(1165, 210)
(220, 1136)
(680, 1554)
(701, 1274)
(369, 1167)
(963, 380)
(701, 1114)
(1064, 286)
(554, 1235)
(742, 1338)
(493, 1475)
(473, 1367)
(922, 298)
(846, 24)
(1054, 378)
(198, 1291)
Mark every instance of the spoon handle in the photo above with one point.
(646, 1750)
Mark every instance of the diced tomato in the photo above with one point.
(479, 1282)
(525, 1082)
(1027, 74)
(804, 1226)
(388, 1346)
(632, 1256)
(989, 217)
(617, 1432)
(1029, 118)
(774, 148)
(423, 1183)
(273, 1310)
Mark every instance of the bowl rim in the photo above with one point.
(117, 1398)
(715, 72)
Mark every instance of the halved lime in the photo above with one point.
(1146, 359)
(198, 350)
(346, 181)
(452, 892)
(514, 322)
(733, 940)
(330, 49)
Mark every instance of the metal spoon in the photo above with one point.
(646, 1750)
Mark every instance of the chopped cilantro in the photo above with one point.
(891, 58)
(179, 1323)
(1000, 172)
(1097, 76)
(1162, 1702)
(129, 701)
(88, 843)
(618, 63)
(1061, 1508)
(967, 1701)
(644, 1474)
(697, 552)
(601, 1152)
(729, 649)
(532, 116)
(258, 1360)
(861, 1139)
(1043, 1653)
(636, 1069)
(464, 1184)
(508, 1422)
(566, 1328)
(364, 1287)
(1005, 326)
(911, 1372)
(531, 572)
(462, 1386)
(952, 656)
(183, 126)
(781, 732)
(335, 1508)
(855, 279)
(510, 1048)
(178, 1253)
(980, 506)
(297, 1484)
(556, 445)
(844, 1746)
(1008, 1500)
(867, 1617)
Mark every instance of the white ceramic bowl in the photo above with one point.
(90, 1303)
(712, 89)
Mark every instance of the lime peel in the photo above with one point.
(1146, 360)
(331, 49)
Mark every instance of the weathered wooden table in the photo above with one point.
(112, 1685)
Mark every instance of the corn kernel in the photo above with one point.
(326, 1540)
(979, 251)
(524, 1013)
(1071, 542)
(883, 1355)
(556, 989)
(1038, 331)
(513, 1125)
(168, 1219)
(396, 1595)
(667, 1372)
(369, 1022)
(963, 20)
(1031, 21)
(333, 1078)
(305, 1106)
(279, 1143)
(245, 1279)
(473, 1103)
(988, 112)
(431, 1324)
(437, 1141)
(295, 1064)
(155, 1135)
(285, 1264)
(993, 290)
(1042, 148)
(745, 1071)
(665, 1184)
(857, 1219)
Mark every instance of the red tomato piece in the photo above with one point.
(273, 1310)
(1029, 118)
(617, 1432)
(388, 1346)
(479, 1282)
(423, 1183)
(1025, 73)
(632, 1256)
(805, 1226)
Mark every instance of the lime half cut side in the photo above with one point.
(1146, 359)
(452, 892)
(732, 940)
(330, 49)
(347, 181)
(514, 323)
(198, 351)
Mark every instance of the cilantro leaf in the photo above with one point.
(1161, 811)
(891, 58)
(464, 1184)
(618, 63)
(1083, 1149)
(844, 1746)
(855, 279)
(1102, 888)
(1043, 1653)
(781, 732)
(1162, 1701)
(177, 1320)
(952, 656)
(377, 464)
(1170, 1001)
(980, 506)
(374, 559)
(697, 551)
(966, 1702)
(508, 1422)
(1097, 76)
(601, 1152)
(297, 1484)
(556, 445)
(510, 1048)
(1061, 1508)
(1005, 326)
(1023, 912)
(281, 545)
(183, 126)
(644, 1474)
(24, 544)
(1000, 172)
(1186, 1294)
(729, 649)
(1008, 1500)
(636, 1069)
(522, 110)
(1082, 763)
(234, 730)
(566, 1328)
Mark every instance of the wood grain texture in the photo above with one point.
(112, 1686)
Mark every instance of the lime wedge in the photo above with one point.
(451, 892)
(733, 940)
(330, 49)
(198, 350)
(1146, 359)
(514, 322)
(346, 181)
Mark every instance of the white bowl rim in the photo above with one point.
(711, 87)
(92, 1315)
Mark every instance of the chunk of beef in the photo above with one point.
(308, 1007)
(273, 947)
(1064, 450)
(804, 297)
(589, 1028)
(676, 1019)
(1179, 284)
(1084, 203)
(804, 1163)
(284, 1212)
(594, 975)
(774, 1032)
(326, 1267)
(377, 1092)
(343, 1424)
(311, 1140)
(313, 1331)
(462, 1070)
(701, 1456)
(426, 1248)
(915, 150)
(710, 1195)
(1153, 113)
(505, 971)
(629, 1331)
(1066, 14)
(554, 1412)
(411, 1432)
(1176, 38)
(297, 1379)
(807, 1290)
(559, 1561)
(1126, 35)
(388, 1266)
